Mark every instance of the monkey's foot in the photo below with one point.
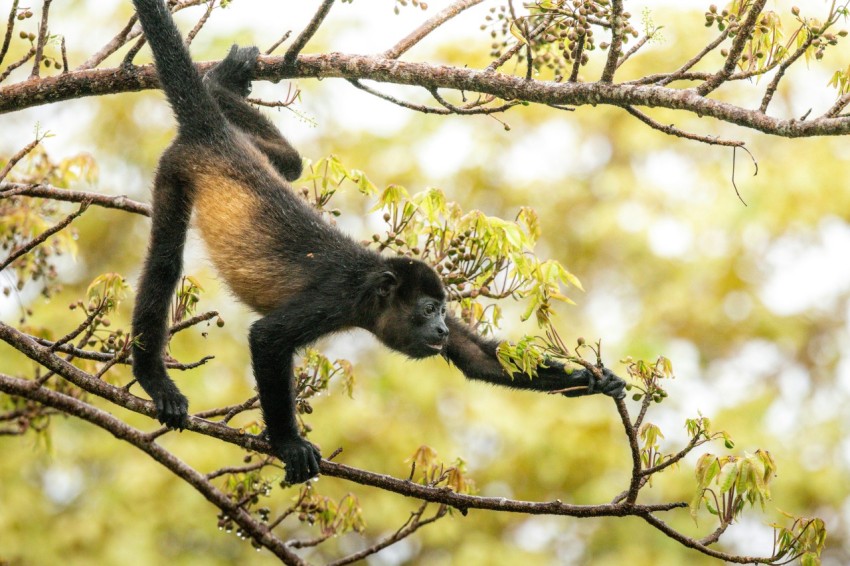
(301, 458)
(236, 71)
(172, 408)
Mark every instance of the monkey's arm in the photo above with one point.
(161, 272)
(476, 357)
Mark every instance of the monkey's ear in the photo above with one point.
(386, 282)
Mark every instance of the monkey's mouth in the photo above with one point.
(437, 347)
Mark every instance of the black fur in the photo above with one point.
(279, 255)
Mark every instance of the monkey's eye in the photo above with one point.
(430, 309)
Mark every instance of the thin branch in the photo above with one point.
(114, 45)
(240, 469)
(413, 524)
(839, 105)
(10, 27)
(774, 83)
(19, 63)
(694, 442)
(42, 39)
(307, 33)
(127, 61)
(674, 131)
(41, 238)
(631, 434)
(577, 60)
(278, 43)
(616, 46)
(469, 110)
(677, 74)
(522, 23)
(64, 53)
(694, 544)
(514, 49)
(48, 191)
(428, 26)
(399, 102)
(195, 30)
(742, 36)
(23, 152)
(189, 322)
(633, 49)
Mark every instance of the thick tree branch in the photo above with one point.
(108, 81)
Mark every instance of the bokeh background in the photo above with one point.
(749, 302)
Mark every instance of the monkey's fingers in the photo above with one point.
(301, 459)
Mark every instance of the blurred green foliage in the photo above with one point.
(748, 302)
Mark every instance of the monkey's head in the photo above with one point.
(411, 318)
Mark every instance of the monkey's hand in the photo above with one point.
(301, 458)
(581, 382)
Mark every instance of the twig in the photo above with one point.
(674, 131)
(40, 239)
(614, 50)
(19, 63)
(428, 26)
(240, 469)
(51, 192)
(183, 325)
(23, 152)
(277, 43)
(774, 83)
(42, 38)
(677, 74)
(127, 61)
(114, 45)
(631, 434)
(756, 172)
(413, 524)
(514, 49)
(577, 61)
(307, 33)
(402, 103)
(191, 35)
(470, 110)
(523, 25)
(740, 41)
(64, 53)
(10, 26)
(634, 49)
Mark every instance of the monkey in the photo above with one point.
(303, 276)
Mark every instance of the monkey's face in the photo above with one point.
(418, 330)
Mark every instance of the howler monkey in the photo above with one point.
(279, 256)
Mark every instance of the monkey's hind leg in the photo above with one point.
(162, 269)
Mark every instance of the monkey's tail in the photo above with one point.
(195, 109)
